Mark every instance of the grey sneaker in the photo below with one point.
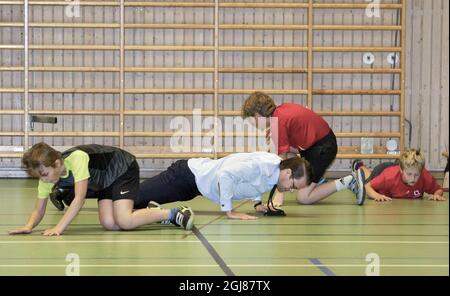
(357, 164)
(184, 218)
(357, 186)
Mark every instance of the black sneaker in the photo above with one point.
(56, 199)
(184, 218)
(357, 186)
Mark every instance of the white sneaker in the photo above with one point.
(357, 186)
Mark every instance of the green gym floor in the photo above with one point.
(335, 237)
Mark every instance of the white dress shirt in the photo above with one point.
(235, 177)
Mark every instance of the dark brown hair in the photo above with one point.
(299, 166)
(258, 102)
(40, 154)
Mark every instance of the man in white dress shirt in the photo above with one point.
(235, 177)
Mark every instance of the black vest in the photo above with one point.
(106, 164)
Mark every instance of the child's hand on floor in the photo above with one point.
(382, 198)
(240, 216)
(23, 230)
(437, 197)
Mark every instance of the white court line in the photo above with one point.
(216, 241)
(230, 265)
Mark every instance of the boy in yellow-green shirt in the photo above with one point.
(108, 173)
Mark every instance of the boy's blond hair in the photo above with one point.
(412, 158)
(40, 154)
(258, 102)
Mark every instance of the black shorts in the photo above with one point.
(379, 169)
(124, 187)
(321, 155)
(177, 183)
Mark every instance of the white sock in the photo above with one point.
(343, 183)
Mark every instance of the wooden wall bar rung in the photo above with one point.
(264, 48)
(170, 47)
(206, 26)
(74, 25)
(270, 91)
(211, 5)
(202, 48)
(169, 69)
(169, 91)
(12, 134)
(262, 70)
(356, 49)
(204, 70)
(3, 24)
(11, 90)
(350, 156)
(186, 134)
(368, 135)
(12, 68)
(366, 156)
(355, 5)
(190, 134)
(239, 134)
(196, 155)
(11, 112)
(359, 113)
(166, 112)
(356, 70)
(74, 69)
(11, 154)
(172, 155)
(261, 5)
(328, 113)
(261, 27)
(75, 90)
(75, 112)
(11, 46)
(206, 91)
(169, 4)
(357, 27)
(170, 26)
(73, 47)
(74, 134)
(81, 3)
(187, 113)
(356, 92)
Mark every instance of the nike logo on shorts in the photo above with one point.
(123, 192)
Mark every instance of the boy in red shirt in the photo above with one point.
(409, 179)
(301, 131)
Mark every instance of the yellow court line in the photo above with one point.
(219, 242)
(230, 265)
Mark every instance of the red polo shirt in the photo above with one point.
(298, 127)
(390, 184)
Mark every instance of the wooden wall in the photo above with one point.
(190, 83)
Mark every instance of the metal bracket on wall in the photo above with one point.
(42, 119)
